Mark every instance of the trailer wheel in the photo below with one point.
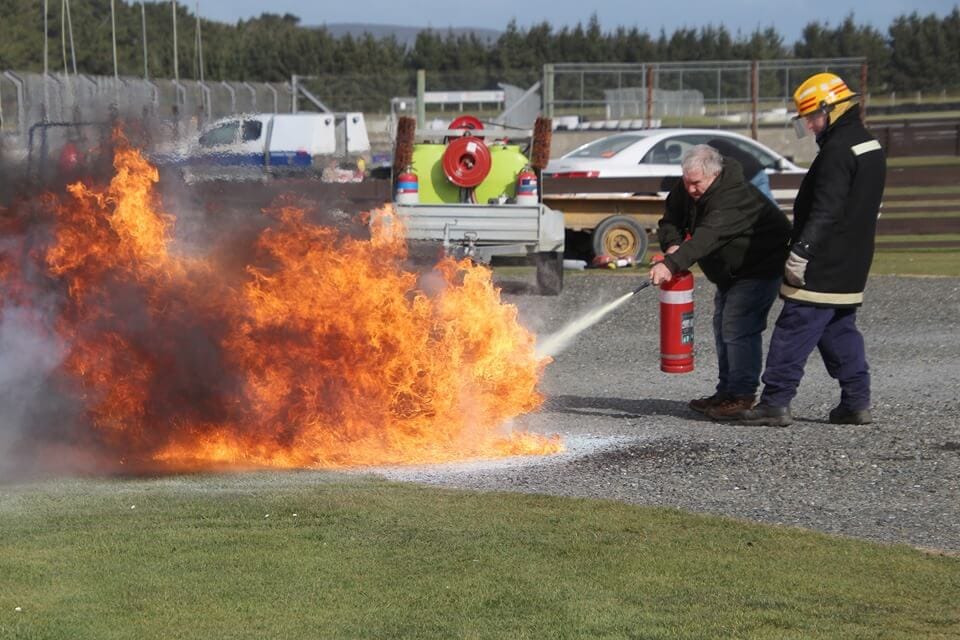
(620, 237)
(549, 272)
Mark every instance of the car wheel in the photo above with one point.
(620, 237)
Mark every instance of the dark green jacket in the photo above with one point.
(735, 231)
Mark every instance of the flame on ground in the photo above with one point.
(326, 354)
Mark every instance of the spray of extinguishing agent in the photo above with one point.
(559, 341)
(676, 324)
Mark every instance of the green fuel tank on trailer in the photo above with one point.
(506, 160)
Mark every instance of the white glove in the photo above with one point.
(794, 270)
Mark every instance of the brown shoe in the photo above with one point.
(700, 405)
(731, 407)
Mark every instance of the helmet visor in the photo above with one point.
(800, 126)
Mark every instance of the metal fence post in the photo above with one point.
(295, 90)
(548, 95)
(253, 96)
(421, 97)
(754, 98)
(276, 97)
(649, 80)
(233, 95)
(21, 105)
(863, 92)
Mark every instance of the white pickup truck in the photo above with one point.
(258, 145)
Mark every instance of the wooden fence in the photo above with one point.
(918, 137)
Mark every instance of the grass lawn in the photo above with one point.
(307, 555)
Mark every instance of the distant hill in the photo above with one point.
(404, 35)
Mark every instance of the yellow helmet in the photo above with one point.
(822, 91)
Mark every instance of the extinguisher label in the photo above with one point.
(686, 328)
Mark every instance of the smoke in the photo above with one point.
(42, 420)
(28, 356)
(44, 425)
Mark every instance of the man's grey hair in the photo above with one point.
(702, 157)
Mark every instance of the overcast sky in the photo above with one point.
(788, 17)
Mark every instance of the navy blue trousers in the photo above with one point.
(739, 319)
(799, 329)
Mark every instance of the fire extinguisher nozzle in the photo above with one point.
(646, 283)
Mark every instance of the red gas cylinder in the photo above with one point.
(69, 158)
(527, 187)
(408, 187)
(676, 324)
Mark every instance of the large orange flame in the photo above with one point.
(327, 354)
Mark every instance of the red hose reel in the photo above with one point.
(466, 161)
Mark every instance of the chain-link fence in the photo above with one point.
(734, 93)
(699, 93)
(30, 98)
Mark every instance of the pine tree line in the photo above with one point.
(917, 53)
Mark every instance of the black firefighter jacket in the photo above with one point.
(835, 215)
(735, 231)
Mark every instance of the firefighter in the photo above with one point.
(835, 220)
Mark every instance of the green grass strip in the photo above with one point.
(916, 261)
(953, 237)
(892, 214)
(300, 556)
(911, 191)
(922, 161)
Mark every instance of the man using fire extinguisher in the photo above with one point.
(835, 220)
(715, 218)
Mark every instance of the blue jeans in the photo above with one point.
(762, 181)
(801, 328)
(739, 318)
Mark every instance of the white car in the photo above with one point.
(620, 223)
(654, 152)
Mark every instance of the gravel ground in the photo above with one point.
(631, 437)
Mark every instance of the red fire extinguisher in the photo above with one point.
(676, 324)
(527, 187)
(408, 187)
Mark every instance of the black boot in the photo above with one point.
(764, 415)
(842, 415)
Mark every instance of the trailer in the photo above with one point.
(475, 192)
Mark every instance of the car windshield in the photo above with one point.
(604, 147)
(223, 134)
(670, 150)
